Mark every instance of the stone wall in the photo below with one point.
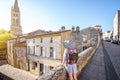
(58, 73)
(20, 59)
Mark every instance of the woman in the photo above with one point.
(69, 59)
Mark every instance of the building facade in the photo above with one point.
(107, 35)
(16, 52)
(89, 36)
(116, 26)
(20, 55)
(45, 51)
(15, 27)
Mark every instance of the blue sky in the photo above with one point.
(52, 14)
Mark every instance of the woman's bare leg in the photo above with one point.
(70, 77)
(75, 76)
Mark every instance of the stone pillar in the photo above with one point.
(38, 65)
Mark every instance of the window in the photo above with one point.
(51, 51)
(16, 15)
(51, 40)
(33, 50)
(51, 67)
(41, 67)
(34, 65)
(33, 40)
(41, 40)
(41, 49)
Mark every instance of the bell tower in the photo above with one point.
(15, 27)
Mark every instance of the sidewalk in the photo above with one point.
(95, 69)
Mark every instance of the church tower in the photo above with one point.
(15, 27)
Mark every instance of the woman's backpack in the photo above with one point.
(72, 57)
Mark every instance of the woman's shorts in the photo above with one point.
(71, 68)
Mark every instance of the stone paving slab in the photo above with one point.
(95, 69)
(15, 73)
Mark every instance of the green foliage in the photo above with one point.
(4, 35)
(2, 31)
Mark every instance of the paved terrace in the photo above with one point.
(95, 69)
(8, 72)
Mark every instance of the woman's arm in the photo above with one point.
(64, 57)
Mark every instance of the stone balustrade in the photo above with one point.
(83, 59)
(58, 73)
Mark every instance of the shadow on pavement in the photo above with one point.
(4, 77)
(3, 62)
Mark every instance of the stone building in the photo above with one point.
(77, 37)
(89, 34)
(107, 35)
(16, 52)
(10, 50)
(99, 28)
(15, 27)
(116, 27)
(20, 56)
(45, 51)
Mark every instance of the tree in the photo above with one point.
(4, 36)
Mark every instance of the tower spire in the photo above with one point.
(16, 8)
(15, 27)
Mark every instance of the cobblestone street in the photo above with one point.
(10, 73)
